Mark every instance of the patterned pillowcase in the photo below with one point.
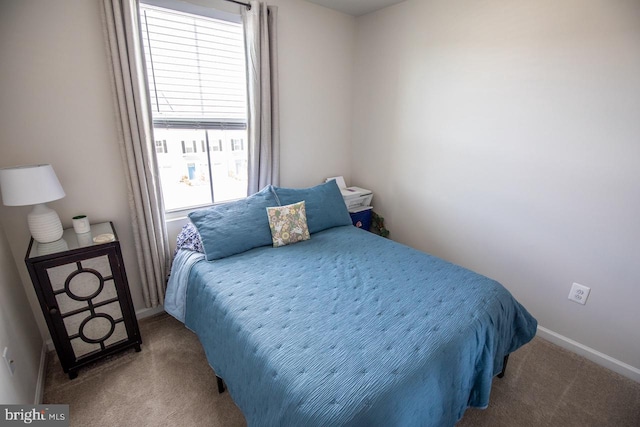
(189, 239)
(288, 224)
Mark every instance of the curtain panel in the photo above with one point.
(263, 125)
(130, 91)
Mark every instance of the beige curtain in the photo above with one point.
(121, 18)
(262, 94)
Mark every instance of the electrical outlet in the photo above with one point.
(579, 293)
(11, 364)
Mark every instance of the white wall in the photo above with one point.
(316, 73)
(19, 333)
(56, 107)
(505, 137)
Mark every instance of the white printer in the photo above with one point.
(357, 199)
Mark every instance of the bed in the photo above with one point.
(346, 328)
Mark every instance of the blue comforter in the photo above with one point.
(352, 329)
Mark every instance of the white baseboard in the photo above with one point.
(42, 373)
(595, 356)
(148, 312)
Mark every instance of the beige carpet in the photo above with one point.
(170, 383)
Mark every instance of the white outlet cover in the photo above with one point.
(579, 293)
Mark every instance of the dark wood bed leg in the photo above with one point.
(504, 366)
(221, 386)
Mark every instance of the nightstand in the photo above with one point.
(84, 295)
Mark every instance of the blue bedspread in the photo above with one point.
(352, 329)
(176, 296)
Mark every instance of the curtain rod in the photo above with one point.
(247, 5)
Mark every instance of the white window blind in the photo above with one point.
(196, 69)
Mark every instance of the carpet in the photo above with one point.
(169, 383)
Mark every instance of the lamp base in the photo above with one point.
(44, 224)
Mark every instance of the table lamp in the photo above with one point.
(34, 185)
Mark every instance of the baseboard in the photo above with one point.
(42, 372)
(148, 312)
(595, 356)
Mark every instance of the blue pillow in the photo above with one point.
(324, 204)
(235, 227)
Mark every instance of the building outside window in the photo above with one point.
(188, 147)
(196, 72)
(237, 144)
(161, 147)
(216, 145)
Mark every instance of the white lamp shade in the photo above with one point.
(29, 185)
(34, 185)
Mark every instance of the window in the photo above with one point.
(161, 147)
(188, 147)
(237, 144)
(196, 71)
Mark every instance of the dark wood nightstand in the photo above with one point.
(84, 295)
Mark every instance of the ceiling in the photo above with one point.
(355, 7)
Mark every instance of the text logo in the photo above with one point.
(34, 415)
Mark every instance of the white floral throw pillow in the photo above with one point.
(288, 224)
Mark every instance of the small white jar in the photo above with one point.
(81, 224)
